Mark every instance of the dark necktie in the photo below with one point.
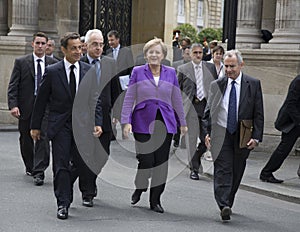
(232, 110)
(38, 74)
(96, 62)
(72, 82)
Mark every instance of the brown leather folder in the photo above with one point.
(246, 128)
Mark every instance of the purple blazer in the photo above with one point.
(143, 98)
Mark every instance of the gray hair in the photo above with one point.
(90, 33)
(232, 53)
(196, 45)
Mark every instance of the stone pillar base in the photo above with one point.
(248, 38)
(22, 30)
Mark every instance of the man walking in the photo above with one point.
(194, 78)
(22, 90)
(288, 122)
(233, 99)
(58, 89)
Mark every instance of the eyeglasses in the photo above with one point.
(197, 52)
(230, 66)
(95, 44)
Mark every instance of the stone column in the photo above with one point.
(287, 26)
(248, 31)
(3, 17)
(24, 18)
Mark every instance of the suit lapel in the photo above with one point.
(148, 74)
(244, 90)
(30, 63)
(63, 77)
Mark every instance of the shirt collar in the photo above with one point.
(195, 65)
(35, 58)
(117, 48)
(91, 59)
(68, 64)
(237, 80)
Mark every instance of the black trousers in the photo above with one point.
(285, 146)
(35, 156)
(87, 178)
(152, 155)
(229, 167)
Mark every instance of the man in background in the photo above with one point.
(22, 90)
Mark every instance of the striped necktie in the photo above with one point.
(199, 83)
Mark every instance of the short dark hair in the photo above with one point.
(69, 35)
(115, 33)
(217, 48)
(40, 34)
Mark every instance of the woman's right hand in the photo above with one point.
(126, 130)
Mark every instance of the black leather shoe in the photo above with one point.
(194, 175)
(38, 181)
(136, 196)
(225, 213)
(62, 212)
(270, 179)
(87, 202)
(157, 208)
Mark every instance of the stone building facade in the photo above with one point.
(275, 63)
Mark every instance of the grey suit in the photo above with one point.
(20, 94)
(229, 159)
(194, 108)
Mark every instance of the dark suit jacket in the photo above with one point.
(124, 60)
(109, 89)
(250, 104)
(22, 85)
(289, 114)
(187, 81)
(55, 90)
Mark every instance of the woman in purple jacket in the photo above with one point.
(152, 109)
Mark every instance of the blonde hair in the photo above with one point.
(154, 42)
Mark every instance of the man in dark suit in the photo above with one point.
(194, 78)
(22, 90)
(109, 91)
(50, 49)
(58, 89)
(231, 99)
(124, 60)
(288, 122)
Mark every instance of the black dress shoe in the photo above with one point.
(62, 212)
(194, 175)
(38, 181)
(270, 179)
(157, 208)
(136, 196)
(225, 213)
(87, 202)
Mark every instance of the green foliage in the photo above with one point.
(188, 30)
(210, 34)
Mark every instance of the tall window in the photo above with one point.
(181, 12)
(200, 14)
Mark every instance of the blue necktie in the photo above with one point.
(38, 74)
(96, 62)
(232, 110)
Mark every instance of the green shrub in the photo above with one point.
(188, 30)
(209, 34)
